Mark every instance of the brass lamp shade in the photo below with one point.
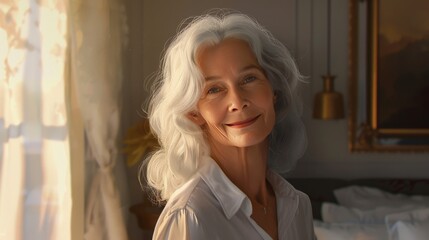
(328, 104)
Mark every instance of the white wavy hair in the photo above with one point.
(183, 148)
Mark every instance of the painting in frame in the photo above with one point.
(389, 51)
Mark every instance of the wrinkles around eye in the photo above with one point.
(249, 79)
(213, 90)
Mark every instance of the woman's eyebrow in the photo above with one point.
(212, 78)
(251, 66)
(246, 68)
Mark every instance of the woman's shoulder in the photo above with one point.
(181, 197)
(194, 196)
(190, 207)
(283, 187)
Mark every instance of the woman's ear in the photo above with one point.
(275, 97)
(196, 118)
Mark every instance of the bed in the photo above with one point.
(392, 209)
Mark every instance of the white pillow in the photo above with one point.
(349, 231)
(334, 213)
(412, 215)
(409, 231)
(366, 198)
(410, 225)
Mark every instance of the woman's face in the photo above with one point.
(236, 107)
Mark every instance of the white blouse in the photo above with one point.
(210, 206)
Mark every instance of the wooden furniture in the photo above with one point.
(147, 214)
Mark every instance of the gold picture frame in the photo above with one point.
(379, 55)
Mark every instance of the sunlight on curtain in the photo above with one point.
(97, 39)
(35, 196)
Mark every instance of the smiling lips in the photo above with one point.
(244, 123)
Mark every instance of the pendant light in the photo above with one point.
(328, 104)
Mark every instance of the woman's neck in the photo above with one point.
(245, 167)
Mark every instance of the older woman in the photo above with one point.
(226, 115)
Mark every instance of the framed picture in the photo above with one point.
(389, 75)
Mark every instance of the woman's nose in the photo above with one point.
(237, 100)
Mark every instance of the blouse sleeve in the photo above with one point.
(180, 224)
(308, 216)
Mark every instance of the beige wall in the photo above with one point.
(327, 154)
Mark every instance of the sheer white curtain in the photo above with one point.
(97, 32)
(39, 40)
(35, 196)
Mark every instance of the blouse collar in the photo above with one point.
(231, 198)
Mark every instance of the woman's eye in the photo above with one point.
(249, 79)
(213, 90)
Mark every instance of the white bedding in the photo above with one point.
(365, 213)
